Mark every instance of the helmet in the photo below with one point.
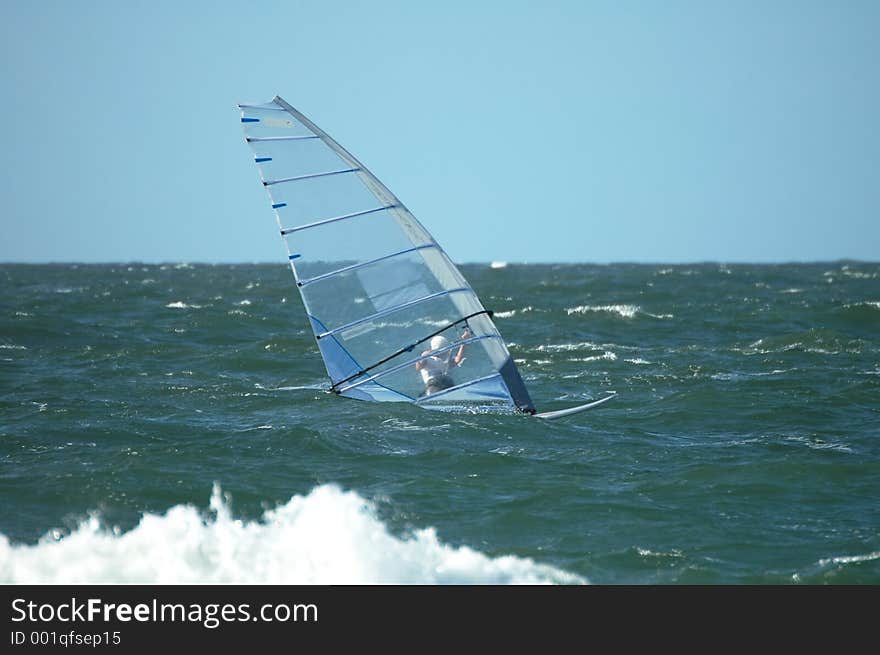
(439, 342)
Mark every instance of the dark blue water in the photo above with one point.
(743, 447)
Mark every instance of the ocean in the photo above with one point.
(168, 424)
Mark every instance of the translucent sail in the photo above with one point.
(375, 284)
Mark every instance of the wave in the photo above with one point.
(329, 536)
(581, 345)
(182, 305)
(814, 341)
(865, 305)
(607, 355)
(512, 312)
(624, 311)
(837, 569)
(309, 387)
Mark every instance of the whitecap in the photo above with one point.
(179, 304)
(329, 536)
(625, 311)
(563, 347)
(875, 304)
(607, 355)
(850, 559)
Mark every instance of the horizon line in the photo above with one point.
(503, 263)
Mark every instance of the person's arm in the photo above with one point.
(460, 354)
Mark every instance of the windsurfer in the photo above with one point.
(435, 368)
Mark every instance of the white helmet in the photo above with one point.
(439, 342)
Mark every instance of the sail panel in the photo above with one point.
(403, 376)
(488, 390)
(355, 240)
(311, 199)
(271, 121)
(282, 159)
(376, 286)
(413, 328)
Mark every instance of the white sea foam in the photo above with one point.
(827, 565)
(330, 536)
(859, 275)
(564, 347)
(513, 312)
(626, 311)
(646, 552)
(179, 304)
(310, 387)
(607, 355)
(815, 443)
(581, 345)
(865, 303)
(849, 559)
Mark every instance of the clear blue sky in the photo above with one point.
(519, 131)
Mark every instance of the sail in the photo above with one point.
(375, 284)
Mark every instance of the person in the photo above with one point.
(435, 368)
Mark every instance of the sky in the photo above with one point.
(550, 131)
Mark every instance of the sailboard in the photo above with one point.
(384, 300)
(561, 413)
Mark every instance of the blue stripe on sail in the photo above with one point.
(250, 120)
(297, 256)
(279, 205)
(260, 160)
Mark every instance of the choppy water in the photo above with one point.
(166, 423)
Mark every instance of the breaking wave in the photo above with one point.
(329, 536)
(624, 311)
